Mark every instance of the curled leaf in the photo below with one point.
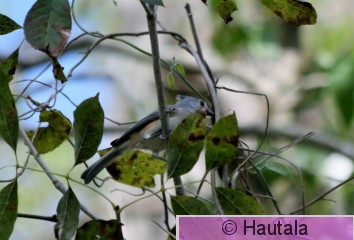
(225, 8)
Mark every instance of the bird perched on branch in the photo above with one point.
(146, 133)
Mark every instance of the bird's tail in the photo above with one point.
(90, 173)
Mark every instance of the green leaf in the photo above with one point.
(100, 229)
(8, 210)
(154, 2)
(292, 11)
(48, 26)
(8, 114)
(171, 80)
(185, 144)
(225, 8)
(342, 87)
(7, 25)
(50, 137)
(68, 215)
(88, 128)
(136, 168)
(185, 205)
(8, 66)
(180, 70)
(235, 202)
(221, 144)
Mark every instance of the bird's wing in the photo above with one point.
(141, 124)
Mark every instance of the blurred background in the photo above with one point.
(307, 73)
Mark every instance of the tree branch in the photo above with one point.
(324, 141)
(151, 19)
(209, 79)
(58, 185)
(38, 217)
(322, 195)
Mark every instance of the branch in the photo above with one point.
(155, 52)
(209, 79)
(322, 140)
(38, 217)
(322, 196)
(154, 41)
(58, 185)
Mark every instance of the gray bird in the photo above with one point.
(146, 133)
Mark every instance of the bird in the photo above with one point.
(146, 133)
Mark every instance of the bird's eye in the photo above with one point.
(202, 103)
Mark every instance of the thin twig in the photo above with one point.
(165, 206)
(324, 141)
(194, 30)
(58, 185)
(38, 217)
(209, 79)
(322, 195)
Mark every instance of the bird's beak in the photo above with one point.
(206, 112)
(209, 112)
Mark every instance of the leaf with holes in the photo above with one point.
(48, 26)
(8, 66)
(221, 142)
(88, 128)
(292, 11)
(111, 229)
(8, 209)
(8, 114)
(50, 137)
(185, 144)
(7, 25)
(185, 205)
(225, 8)
(136, 168)
(235, 202)
(68, 210)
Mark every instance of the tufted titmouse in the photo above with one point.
(146, 133)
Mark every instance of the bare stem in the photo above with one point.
(155, 52)
(322, 196)
(38, 217)
(209, 79)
